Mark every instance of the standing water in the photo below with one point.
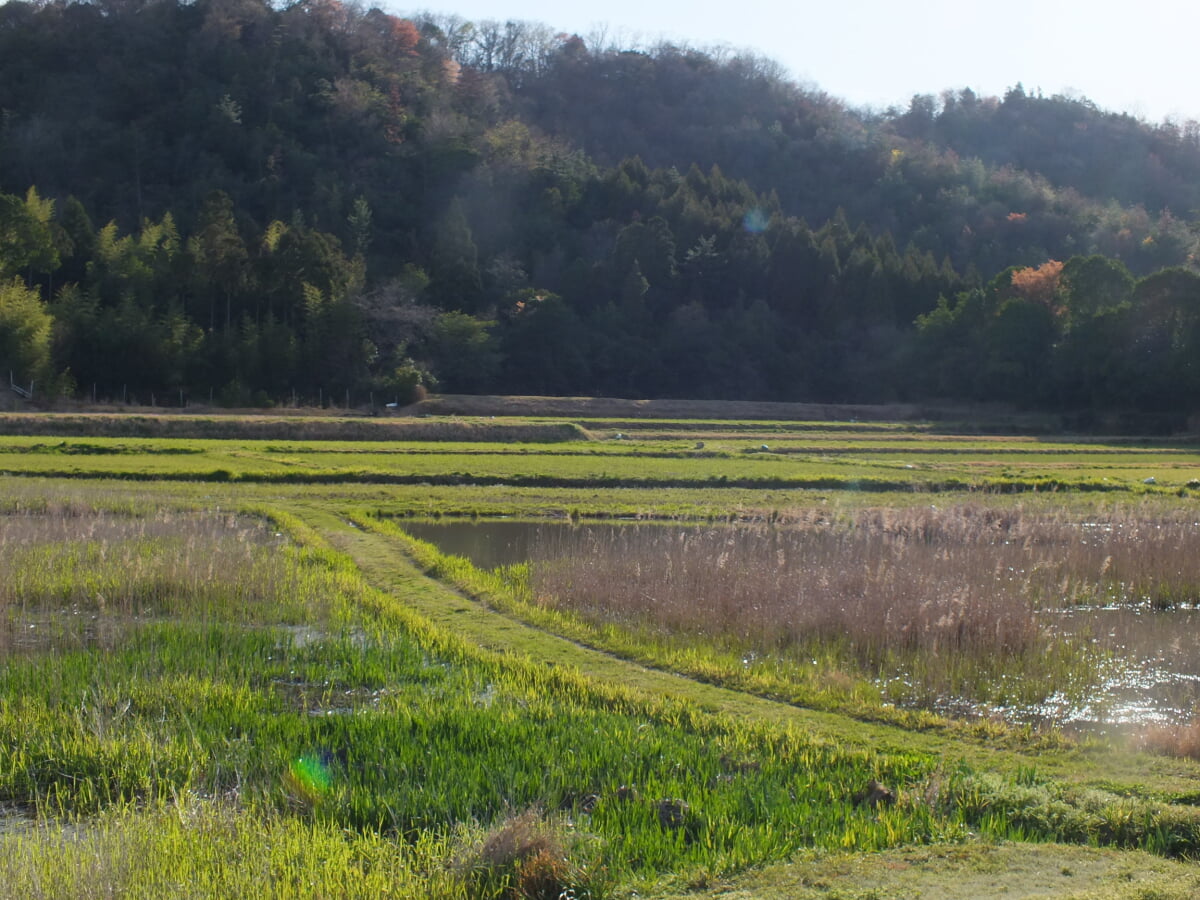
(1154, 677)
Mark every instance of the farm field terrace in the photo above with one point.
(250, 683)
(838, 459)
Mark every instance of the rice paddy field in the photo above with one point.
(546, 658)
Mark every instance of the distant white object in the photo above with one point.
(393, 405)
(618, 436)
(1150, 480)
(764, 447)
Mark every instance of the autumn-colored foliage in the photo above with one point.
(1039, 283)
(698, 225)
(404, 35)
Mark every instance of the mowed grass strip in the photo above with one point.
(975, 869)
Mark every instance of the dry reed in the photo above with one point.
(881, 586)
(1172, 740)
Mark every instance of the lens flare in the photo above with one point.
(308, 777)
(755, 221)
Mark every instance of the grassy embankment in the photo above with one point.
(313, 718)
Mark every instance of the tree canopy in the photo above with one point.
(248, 201)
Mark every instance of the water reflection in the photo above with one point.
(61, 631)
(1156, 676)
(490, 543)
(14, 818)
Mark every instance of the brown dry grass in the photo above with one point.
(605, 407)
(974, 418)
(938, 579)
(523, 857)
(1172, 740)
(883, 585)
(280, 427)
(896, 591)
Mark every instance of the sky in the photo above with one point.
(1135, 57)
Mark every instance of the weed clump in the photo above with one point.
(523, 857)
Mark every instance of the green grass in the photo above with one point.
(196, 848)
(825, 461)
(977, 869)
(313, 717)
(381, 729)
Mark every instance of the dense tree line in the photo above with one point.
(255, 202)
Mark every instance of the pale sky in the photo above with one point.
(1137, 57)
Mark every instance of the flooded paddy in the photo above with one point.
(489, 543)
(1140, 635)
(64, 630)
(14, 818)
(1155, 672)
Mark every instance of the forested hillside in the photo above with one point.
(257, 203)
